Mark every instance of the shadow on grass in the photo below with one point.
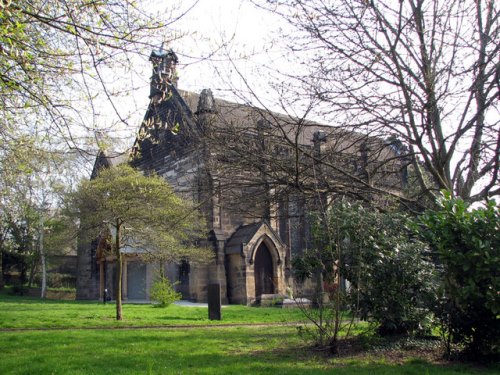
(214, 351)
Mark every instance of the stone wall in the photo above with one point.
(236, 278)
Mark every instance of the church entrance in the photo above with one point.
(263, 271)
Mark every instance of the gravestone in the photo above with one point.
(214, 302)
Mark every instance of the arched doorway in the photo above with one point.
(263, 271)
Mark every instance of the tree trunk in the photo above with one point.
(1, 269)
(120, 271)
(32, 272)
(162, 273)
(42, 259)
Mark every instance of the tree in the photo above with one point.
(33, 183)
(467, 246)
(320, 263)
(141, 212)
(422, 72)
(61, 60)
(390, 277)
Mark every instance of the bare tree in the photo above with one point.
(263, 160)
(425, 72)
(409, 91)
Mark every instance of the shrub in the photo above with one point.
(392, 277)
(163, 292)
(57, 280)
(467, 246)
(18, 289)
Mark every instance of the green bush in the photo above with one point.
(163, 292)
(467, 246)
(57, 280)
(392, 277)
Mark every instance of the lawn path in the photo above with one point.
(164, 327)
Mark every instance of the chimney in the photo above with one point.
(164, 71)
(319, 142)
(205, 110)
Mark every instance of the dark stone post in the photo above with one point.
(214, 303)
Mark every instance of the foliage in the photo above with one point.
(147, 211)
(32, 225)
(392, 277)
(467, 246)
(139, 212)
(56, 280)
(163, 292)
(320, 263)
(55, 60)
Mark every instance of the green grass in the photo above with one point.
(240, 350)
(197, 350)
(26, 312)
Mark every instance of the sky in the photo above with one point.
(244, 31)
(214, 23)
(222, 41)
(213, 29)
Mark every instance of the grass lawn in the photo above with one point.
(26, 312)
(239, 350)
(186, 350)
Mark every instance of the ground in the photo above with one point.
(48, 337)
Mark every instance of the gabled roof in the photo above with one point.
(107, 160)
(241, 236)
(244, 234)
(170, 112)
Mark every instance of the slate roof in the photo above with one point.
(242, 235)
(180, 107)
(246, 117)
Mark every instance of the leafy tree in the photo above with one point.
(390, 277)
(31, 189)
(467, 246)
(61, 59)
(141, 212)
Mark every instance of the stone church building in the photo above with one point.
(255, 225)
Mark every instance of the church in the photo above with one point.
(254, 174)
